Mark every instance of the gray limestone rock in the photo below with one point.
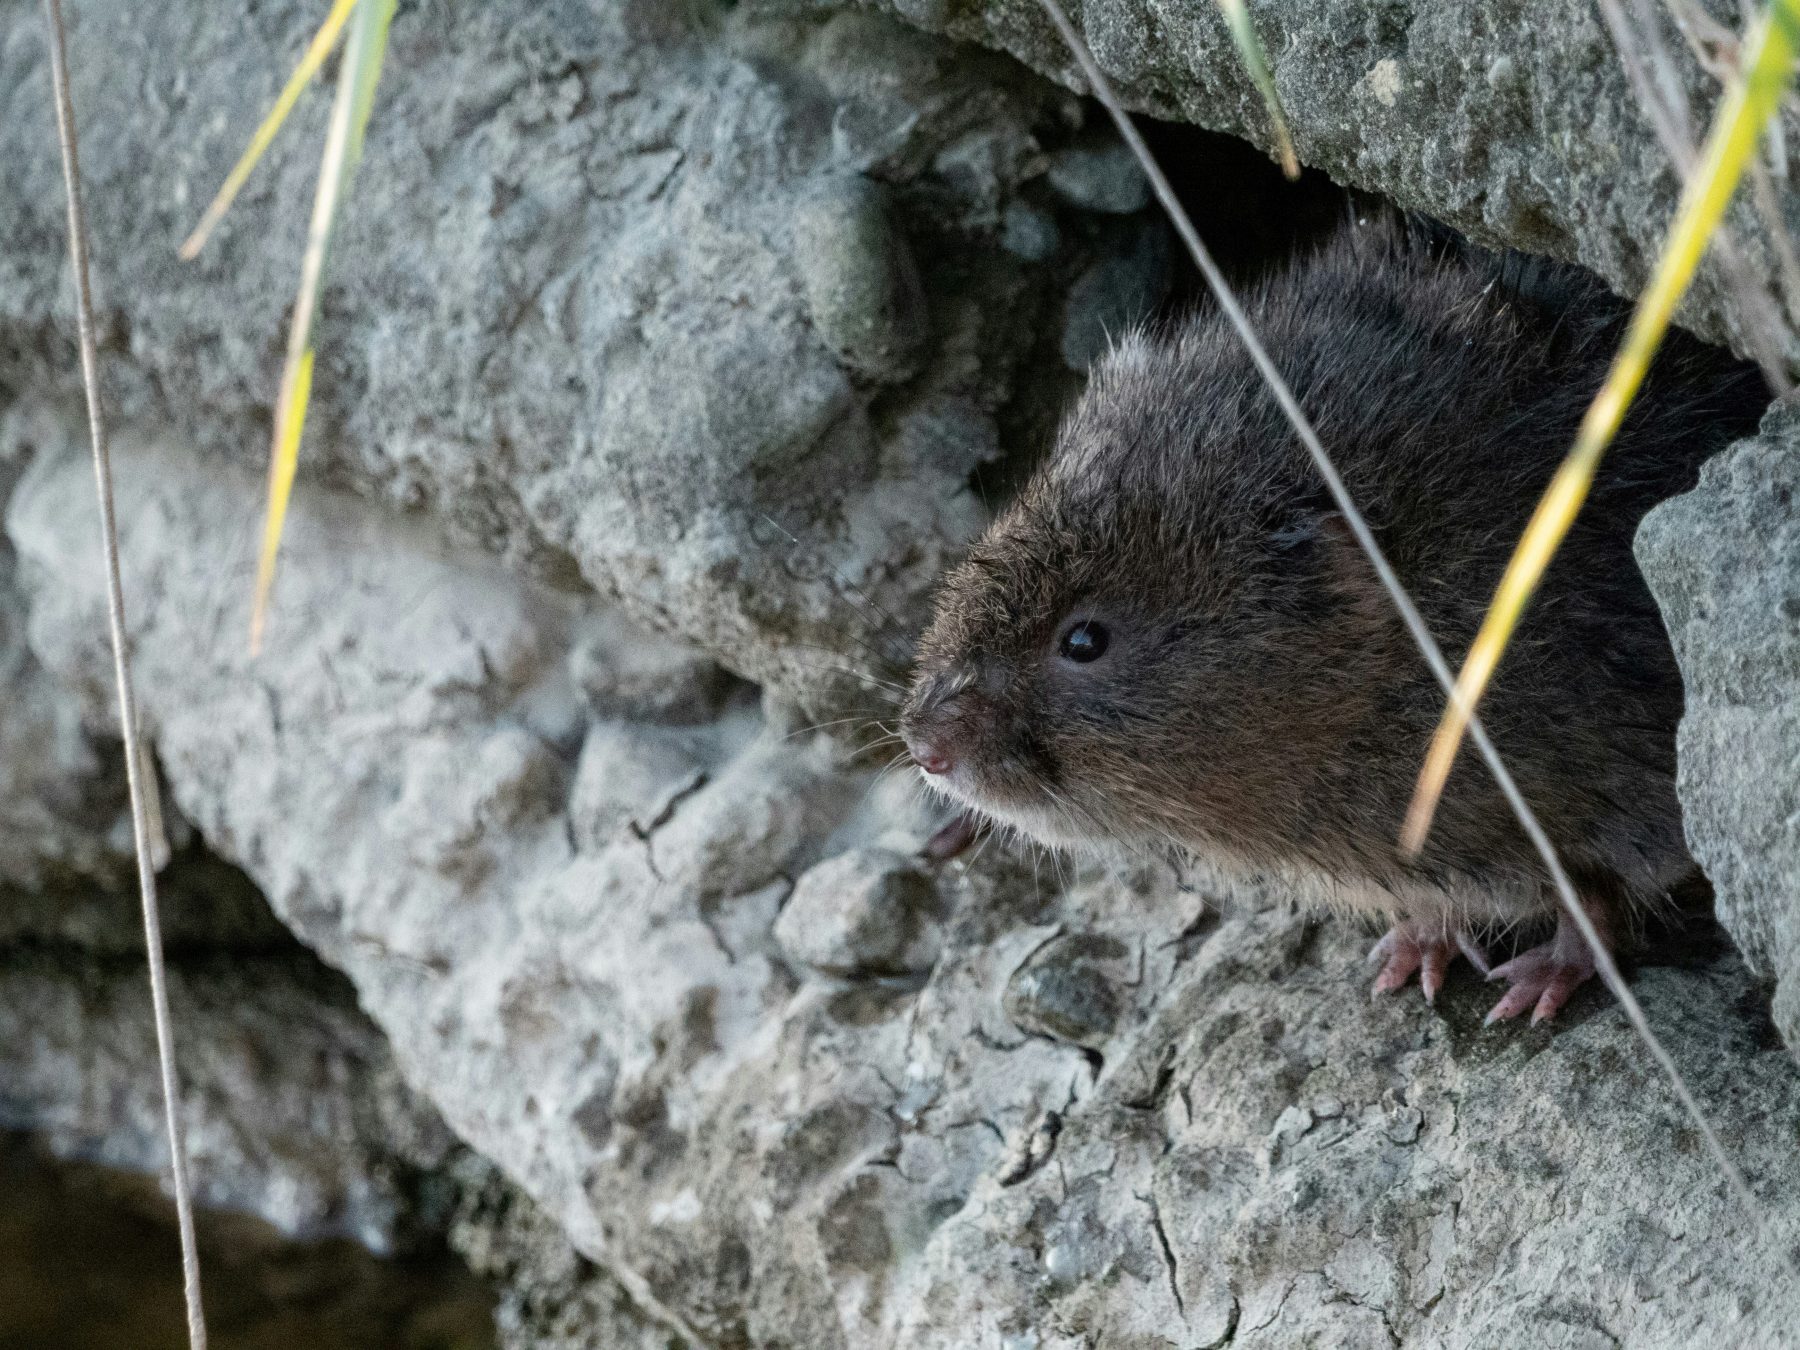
(1513, 122)
(711, 308)
(63, 820)
(548, 1296)
(1100, 174)
(291, 1105)
(862, 284)
(1724, 563)
(293, 1110)
(1069, 989)
(1106, 1108)
(864, 912)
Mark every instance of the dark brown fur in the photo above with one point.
(1260, 704)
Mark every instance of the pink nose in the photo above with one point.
(929, 757)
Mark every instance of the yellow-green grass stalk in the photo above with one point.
(1256, 63)
(361, 70)
(316, 52)
(1748, 104)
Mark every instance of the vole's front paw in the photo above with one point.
(1424, 948)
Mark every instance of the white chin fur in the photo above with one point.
(1044, 824)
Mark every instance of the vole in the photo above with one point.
(1170, 640)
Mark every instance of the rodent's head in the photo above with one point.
(1159, 639)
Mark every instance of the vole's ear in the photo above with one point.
(1298, 536)
(1348, 568)
(1306, 529)
(1329, 576)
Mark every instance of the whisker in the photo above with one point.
(981, 848)
(895, 691)
(821, 726)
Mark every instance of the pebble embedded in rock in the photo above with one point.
(629, 776)
(1100, 174)
(1028, 232)
(862, 285)
(454, 802)
(1291, 1126)
(1068, 990)
(864, 912)
(1404, 1124)
(754, 821)
(623, 672)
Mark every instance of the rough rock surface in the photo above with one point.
(1512, 121)
(310, 1146)
(1723, 563)
(1104, 1109)
(62, 813)
(293, 1110)
(549, 1297)
(716, 311)
(292, 1106)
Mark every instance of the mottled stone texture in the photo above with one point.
(713, 313)
(1511, 120)
(660, 346)
(1102, 1108)
(1724, 562)
(63, 818)
(292, 1107)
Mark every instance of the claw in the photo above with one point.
(1433, 968)
(1410, 947)
(1400, 958)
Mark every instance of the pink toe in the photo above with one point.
(1402, 960)
(1560, 989)
(1508, 970)
(1410, 948)
(1432, 971)
(1515, 1001)
(1395, 973)
(1544, 978)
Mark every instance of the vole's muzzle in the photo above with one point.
(944, 723)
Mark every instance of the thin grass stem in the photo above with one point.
(136, 765)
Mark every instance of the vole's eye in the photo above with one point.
(1086, 641)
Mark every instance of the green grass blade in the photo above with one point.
(357, 79)
(1256, 64)
(1748, 104)
(316, 52)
